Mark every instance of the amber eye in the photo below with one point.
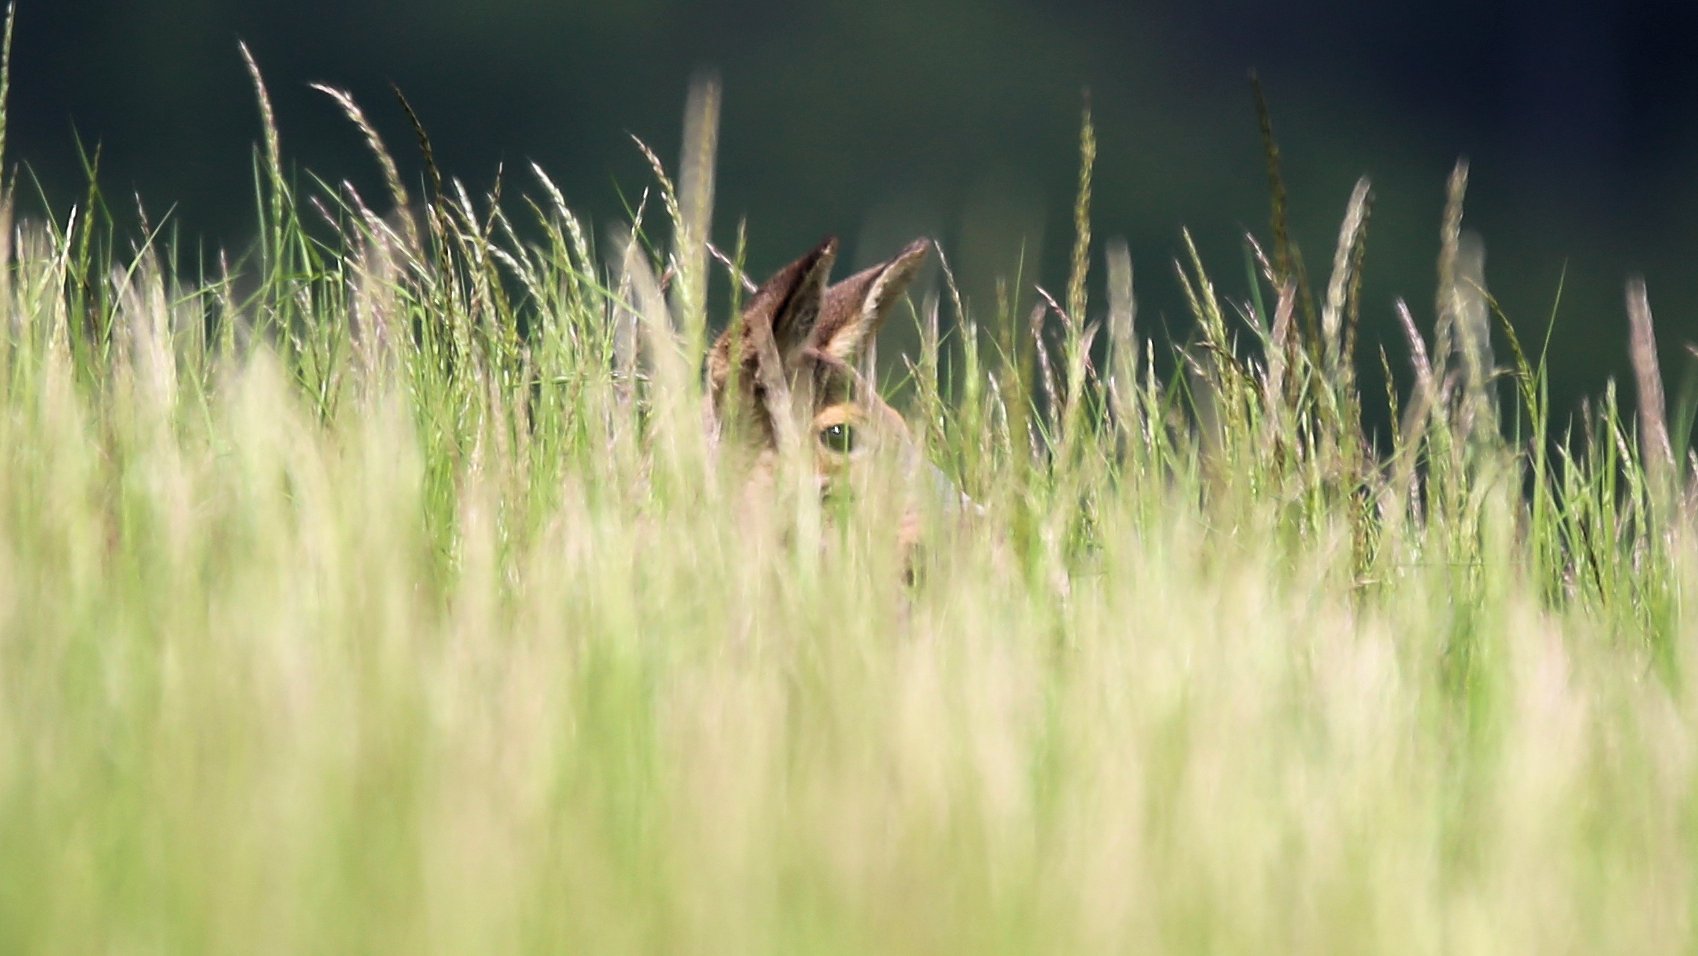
(839, 437)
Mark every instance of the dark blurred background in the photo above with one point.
(881, 119)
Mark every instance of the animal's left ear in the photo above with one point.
(855, 308)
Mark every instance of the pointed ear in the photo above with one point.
(769, 337)
(856, 308)
(781, 315)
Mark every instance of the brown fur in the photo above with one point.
(788, 361)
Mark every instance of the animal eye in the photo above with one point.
(839, 437)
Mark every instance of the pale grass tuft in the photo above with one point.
(1332, 311)
(1122, 332)
(693, 229)
(6, 92)
(668, 192)
(1450, 246)
(574, 229)
(1653, 416)
(1076, 300)
(1046, 368)
(374, 143)
(1471, 317)
(1426, 393)
(1281, 334)
(273, 141)
(1463, 332)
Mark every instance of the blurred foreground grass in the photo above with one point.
(388, 599)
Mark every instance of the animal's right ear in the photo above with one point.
(788, 304)
(774, 327)
(762, 347)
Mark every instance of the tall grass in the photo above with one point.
(385, 595)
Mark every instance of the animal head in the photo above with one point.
(786, 368)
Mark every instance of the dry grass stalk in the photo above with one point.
(1654, 442)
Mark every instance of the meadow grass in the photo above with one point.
(381, 593)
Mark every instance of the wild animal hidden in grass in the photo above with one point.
(784, 370)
